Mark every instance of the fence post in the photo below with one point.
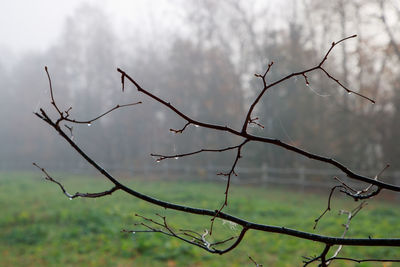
(397, 181)
(166, 169)
(209, 175)
(302, 178)
(264, 174)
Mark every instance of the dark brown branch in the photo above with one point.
(223, 241)
(70, 128)
(350, 216)
(250, 225)
(199, 240)
(362, 194)
(254, 121)
(375, 178)
(303, 73)
(229, 175)
(53, 102)
(101, 115)
(162, 157)
(327, 160)
(181, 130)
(64, 116)
(345, 88)
(255, 263)
(364, 260)
(328, 208)
(276, 142)
(321, 257)
(237, 242)
(77, 194)
(356, 195)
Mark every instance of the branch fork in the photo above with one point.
(200, 239)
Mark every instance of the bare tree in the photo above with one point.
(63, 122)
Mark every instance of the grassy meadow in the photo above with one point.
(41, 227)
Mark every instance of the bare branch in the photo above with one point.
(229, 175)
(328, 208)
(162, 157)
(350, 216)
(244, 223)
(200, 239)
(255, 263)
(345, 88)
(101, 115)
(77, 194)
(363, 260)
(250, 225)
(276, 142)
(254, 121)
(321, 257)
(302, 73)
(356, 195)
(64, 116)
(181, 130)
(53, 102)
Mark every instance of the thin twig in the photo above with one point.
(276, 142)
(244, 223)
(162, 157)
(255, 263)
(363, 260)
(77, 194)
(350, 216)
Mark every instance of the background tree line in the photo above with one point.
(207, 70)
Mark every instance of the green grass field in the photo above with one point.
(41, 227)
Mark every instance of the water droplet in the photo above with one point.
(307, 84)
(89, 124)
(133, 233)
(176, 157)
(158, 161)
(197, 126)
(70, 198)
(349, 93)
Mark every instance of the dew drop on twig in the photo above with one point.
(176, 157)
(89, 124)
(70, 198)
(197, 126)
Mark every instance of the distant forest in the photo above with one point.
(207, 70)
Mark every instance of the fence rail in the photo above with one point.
(301, 177)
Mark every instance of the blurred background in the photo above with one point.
(202, 56)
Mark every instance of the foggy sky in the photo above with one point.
(34, 25)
